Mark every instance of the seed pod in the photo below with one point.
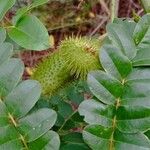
(75, 58)
(52, 73)
(81, 54)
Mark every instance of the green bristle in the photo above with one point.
(81, 55)
(75, 58)
(52, 73)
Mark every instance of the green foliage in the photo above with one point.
(21, 129)
(26, 30)
(69, 123)
(5, 6)
(30, 33)
(146, 5)
(141, 37)
(66, 103)
(120, 113)
(75, 58)
(23, 11)
(73, 141)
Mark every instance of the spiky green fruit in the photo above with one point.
(75, 58)
(52, 73)
(81, 54)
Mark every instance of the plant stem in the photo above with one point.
(14, 123)
(12, 120)
(24, 142)
(114, 9)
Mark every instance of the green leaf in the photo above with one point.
(19, 14)
(75, 92)
(119, 115)
(49, 141)
(137, 112)
(137, 88)
(16, 47)
(2, 35)
(136, 119)
(14, 144)
(10, 74)
(30, 33)
(65, 103)
(142, 58)
(6, 50)
(142, 32)
(122, 39)
(73, 141)
(146, 5)
(18, 125)
(97, 113)
(126, 109)
(64, 109)
(104, 86)
(38, 123)
(17, 133)
(137, 84)
(68, 118)
(141, 37)
(29, 129)
(112, 60)
(136, 101)
(20, 101)
(5, 5)
(99, 138)
(9, 134)
(23, 11)
(128, 24)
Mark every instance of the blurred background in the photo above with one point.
(65, 18)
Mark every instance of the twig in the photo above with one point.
(80, 4)
(134, 4)
(104, 6)
(68, 25)
(114, 9)
(99, 25)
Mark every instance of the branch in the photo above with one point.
(114, 9)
